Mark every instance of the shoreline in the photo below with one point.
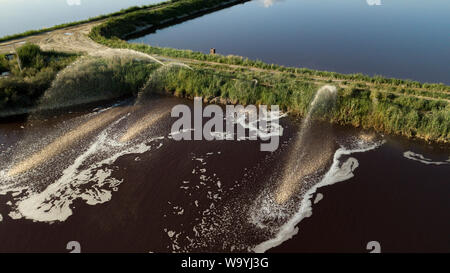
(105, 34)
(29, 33)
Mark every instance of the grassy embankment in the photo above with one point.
(35, 81)
(31, 78)
(393, 106)
(21, 90)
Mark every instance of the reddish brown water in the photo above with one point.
(152, 193)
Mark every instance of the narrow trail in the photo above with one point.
(73, 39)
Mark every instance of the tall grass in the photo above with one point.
(24, 86)
(113, 31)
(94, 79)
(394, 106)
(385, 112)
(4, 64)
(390, 105)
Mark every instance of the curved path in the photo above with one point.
(71, 39)
(75, 40)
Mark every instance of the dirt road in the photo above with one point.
(71, 39)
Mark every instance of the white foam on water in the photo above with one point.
(1, 218)
(272, 129)
(422, 159)
(241, 120)
(33, 142)
(53, 204)
(222, 135)
(92, 169)
(319, 197)
(338, 172)
(266, 211)
(182, 131)
(202, 231)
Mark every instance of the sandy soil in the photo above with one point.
(71, 39)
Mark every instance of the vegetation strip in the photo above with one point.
(394, 106)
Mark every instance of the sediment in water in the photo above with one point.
(65, 141)
(306, 159)
(144, 123)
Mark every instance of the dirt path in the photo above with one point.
(71, 39)
(75, 40)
